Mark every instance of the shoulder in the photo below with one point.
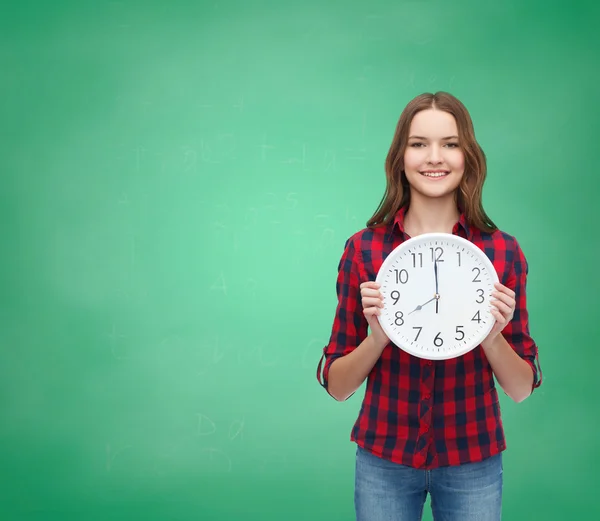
(501, 242)
(504, 250)
(366, 242)
(368, 237)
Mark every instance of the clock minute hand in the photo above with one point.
(418, 308)
(436, 276)
(437, 293)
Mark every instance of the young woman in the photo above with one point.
(429, 426)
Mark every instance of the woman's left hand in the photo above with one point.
(502, 307)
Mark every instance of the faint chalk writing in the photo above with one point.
(114, 337)
(190, 158)
(217, 457)
(312, 352)
(139, 152)
(215, 353)
(236, 429)
(274, 463)
(330, 161)
(291, 200)
(256, 354)
(205, 425)
(264, 147)
(110, 455)
(222, 287)
(239, 105)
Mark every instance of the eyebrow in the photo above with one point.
(424, 138)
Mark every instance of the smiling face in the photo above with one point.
(433, 160)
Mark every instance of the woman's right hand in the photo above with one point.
(372, 301)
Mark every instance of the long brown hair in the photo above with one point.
(468, 195)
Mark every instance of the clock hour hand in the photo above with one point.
(418, 308)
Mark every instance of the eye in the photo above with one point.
(415, 145)
(453, 145)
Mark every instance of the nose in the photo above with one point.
(434, 155)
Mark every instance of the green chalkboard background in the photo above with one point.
(178, 180)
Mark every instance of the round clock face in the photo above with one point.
(437, 289)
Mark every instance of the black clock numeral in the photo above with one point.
(399, 318)
(476, 318)
(481, 293)
(395, 295)
(419, 328)
(459, 330)
(414, 257)
(438, 341)
(478, 273)
(458, 253)
(401, 276)
(439, 251)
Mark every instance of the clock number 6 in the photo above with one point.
(437, 341)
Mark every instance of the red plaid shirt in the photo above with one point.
(417, 412)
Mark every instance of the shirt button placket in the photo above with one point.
(427, 378)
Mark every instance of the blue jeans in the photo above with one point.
(389, 491)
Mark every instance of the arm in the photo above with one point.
(510, 350)
(512, 372)
(348, 372)
(351, 353)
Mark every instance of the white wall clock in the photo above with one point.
(437, 289)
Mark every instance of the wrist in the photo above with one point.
(491, 343)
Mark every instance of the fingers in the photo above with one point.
(370, 284)
(505, 309)
(504, 300)
(372, 312)
(502, 289)
(372, 299)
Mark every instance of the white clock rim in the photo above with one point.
(407, 245)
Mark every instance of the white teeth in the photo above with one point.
(434, 174)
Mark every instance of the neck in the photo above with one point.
(431, 215)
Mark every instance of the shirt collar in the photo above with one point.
(461, 227)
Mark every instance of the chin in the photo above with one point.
(436, 189)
